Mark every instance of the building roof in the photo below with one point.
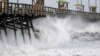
(62, 1)
(93, 6)
(78, 4)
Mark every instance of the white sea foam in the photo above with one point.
(55, 37)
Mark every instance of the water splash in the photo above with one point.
(70, 36)
(54, 32)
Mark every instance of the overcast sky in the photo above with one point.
(53, 3)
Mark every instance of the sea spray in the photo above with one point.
(51, 30)
(57, 32)
(70, 36)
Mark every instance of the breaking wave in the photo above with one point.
(53, 32)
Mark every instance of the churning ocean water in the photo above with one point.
(55, 37)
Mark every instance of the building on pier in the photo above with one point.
(79, 6)
(92, 8)
(62, 4)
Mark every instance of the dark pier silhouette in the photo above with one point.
(16, 16)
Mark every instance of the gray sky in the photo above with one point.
(53, 3)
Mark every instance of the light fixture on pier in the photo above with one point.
(62, 4)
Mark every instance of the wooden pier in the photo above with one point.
(16, 16)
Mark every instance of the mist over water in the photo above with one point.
(57, 33)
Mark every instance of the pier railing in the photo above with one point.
(19, 8)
